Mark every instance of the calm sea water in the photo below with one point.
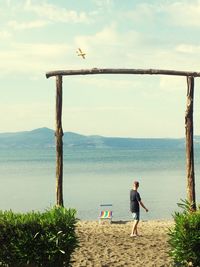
(94, 177)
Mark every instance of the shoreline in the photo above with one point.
(111, 245)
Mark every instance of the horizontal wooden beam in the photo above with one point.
(122, 71)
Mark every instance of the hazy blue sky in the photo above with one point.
(42, 35)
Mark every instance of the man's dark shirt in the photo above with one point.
(134, 201)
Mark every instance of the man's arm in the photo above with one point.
(143, 206)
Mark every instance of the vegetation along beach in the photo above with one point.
(95, 95)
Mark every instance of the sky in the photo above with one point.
(37, 36)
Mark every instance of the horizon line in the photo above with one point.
(100, 135)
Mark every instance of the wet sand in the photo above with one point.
(111, 245)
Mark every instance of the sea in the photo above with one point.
(96, 176)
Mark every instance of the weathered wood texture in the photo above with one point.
(122, 71)
(59, 143)
(188, 120)
(189, 143)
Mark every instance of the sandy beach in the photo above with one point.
(111, 245)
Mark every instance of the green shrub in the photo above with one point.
(184, 238)
(41, 239)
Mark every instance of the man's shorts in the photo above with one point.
(136, 216)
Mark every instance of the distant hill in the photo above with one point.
(42, 137)
(45, 137)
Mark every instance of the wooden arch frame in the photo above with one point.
(188, 121)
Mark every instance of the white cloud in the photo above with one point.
(142, 13)
(109, 46)
(8, 2)
(109, 35)
(4, 35)
(27, 25)
(173, 83)
(180, 12)
(103, 4)
(96, 42)
(185, 13)
(131, 49)
(104, 49)
(41, 49)
(188, 48)
(29, 58)
(55, 13)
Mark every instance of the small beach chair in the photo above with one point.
(105, 213)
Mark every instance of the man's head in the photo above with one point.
(135, 185)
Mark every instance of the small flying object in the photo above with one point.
(81, 53)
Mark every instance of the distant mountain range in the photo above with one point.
(45, 137)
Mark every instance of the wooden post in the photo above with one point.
(189, 143)
(59, 142)
(188, 120)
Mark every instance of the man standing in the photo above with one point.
(135, 202)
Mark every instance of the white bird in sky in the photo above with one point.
(81, 53)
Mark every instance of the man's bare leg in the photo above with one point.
(134, 231)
